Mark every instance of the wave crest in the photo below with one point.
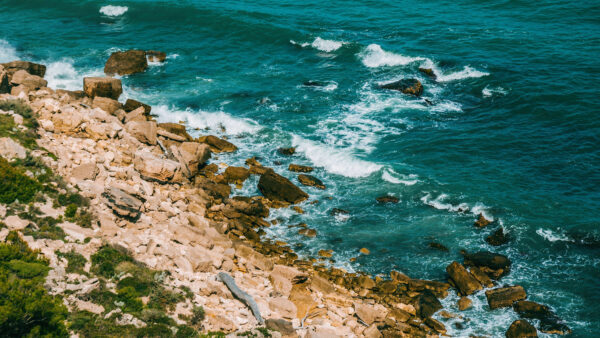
(7, 52)
(111, 10)
(374, 56)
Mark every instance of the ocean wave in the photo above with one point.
(111, 10)
(214, 121)
(63, 75)
(441, 76)
(391, 176)
(7, 52)
(320, 44)
(487, 92)
(336, 161)
(552, 236)
(374, 56)
(440, 204)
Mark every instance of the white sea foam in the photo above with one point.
(391, 176)
(7, 52)
(441, 204)
(441, 76)
(552, 236)
(215, 121)
(111, 10)
(326, 45)
(63, 75)
(336, 161)
(374, 56)
(487, 92)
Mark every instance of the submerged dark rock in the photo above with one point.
(429, 72)
(406, 86)
(287, 151)
(549, 321)
(493, 264)
(276, 187)
(312, 181)
(387, 199)
(505, 297)
(311, 83)
(438, 246)
(497, 238)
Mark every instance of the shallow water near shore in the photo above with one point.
(512, 130)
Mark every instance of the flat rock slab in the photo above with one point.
(505, 297)
(122, 203)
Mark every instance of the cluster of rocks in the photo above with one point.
(156, 192)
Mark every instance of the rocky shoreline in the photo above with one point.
(157, 194)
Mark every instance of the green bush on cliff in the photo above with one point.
(15, 185)
(75, 261)
(26, 309)
(8, 128)
(105, 260)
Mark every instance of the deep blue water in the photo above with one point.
(513, 129)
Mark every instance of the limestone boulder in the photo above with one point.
(217, 145)
(30, 67)
(131, 105)
(152, 167)
(311, 181)
(493, 264)
(122, 203)
(427, 304)
(10, 149)
(283, 307)
(276, 187)
(286, 328)
(67, 121)
(32, 82)
(236, 174)
(107, 104)
(464, 281)
(125, 63)
(505, 296)
(370, 313)
(300, 168)
(143, 131)
(177, 129)
(156, 56)
(102, 86)
(191, 155)
(138, 114)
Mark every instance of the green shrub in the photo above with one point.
(71, 210)
(129, 297)
(185, 331)
(26, 309)
(8, 127)
(106, 259)
(198, 315)
(72, 198)
(156, 330)
(15, 185)
(76, 262)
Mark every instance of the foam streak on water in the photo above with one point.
(374, 56)
(7, 52)
(111, 10)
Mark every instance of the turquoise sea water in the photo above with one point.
(513, 130)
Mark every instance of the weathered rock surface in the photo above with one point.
(217, 145)
(30, 67)
(282, 326)
(125, 63)
(521, 329)
(497, 238)
(464, 303)
(505, 296)
(549, 321)
(276, 187)
(143, 131)
(311, 181)
(32, 82)
(4, 88)
(107, 104)
(191, 155)
(406, 86)
(102, 86)
(387, 199)
(156, 56)
(427, 304)
(481, 221)
(494, 265)
(131, 105)
(236, 174)
(154, 168)
(287, 151)
(122, 203)
(9, 149)
(464, 281)
(177, 129)
(300, 168)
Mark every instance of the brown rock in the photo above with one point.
(427, 304)
(406, 86)
(521, 329)
(236, 175)
(308, 232)
(216, 190)
(177, 129)
(30, 67)
(464, 281)
(311, 181)
(122, 203)
(303, 300)
(282, 326)
(191, 155)
(85, 171)
(107, 104)
(156, 56)
(505, 297)
(549, 321)
(143, 131)
(497, 238)
(399, 315)
(4, 87)
(300, 168)
(428, 71)
(217, 145)
(102, 86)
(364, 251)
(399, 277)
(369, 313)
(435, 325)
(464, 303)
(481, 277)
(125, 63)
(154, 168)
(135, 115)
(287, 151)
(494, 265)
(132, 104)
(22, 77)
(276, 187)
(481, 221)
(387, 199)
(325, 253)
(438, 246)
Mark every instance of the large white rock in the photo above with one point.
(9, 149)
(143, 131)
(152, 167)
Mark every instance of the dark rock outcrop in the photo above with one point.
(131, 105)
(497, 238)
(102, 86)
(122, 203)
(236, 175)
(429, 72)
(438, 246)
(218, 145)
(505, 296)
(494, 265)
(287, 151)
(387, 199)
(125, 63)
(521, 329)
(311, 181)
(30, 67)
(276, 187)
(549, 321)
(156, 56)
(177, 129)
(300, 168)
(427, 304)
(464, 281)
(481, 221)
(406, 86)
